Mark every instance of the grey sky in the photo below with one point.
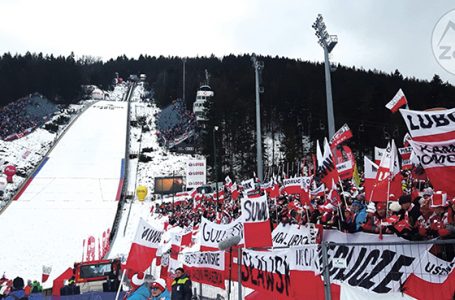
(385, 35)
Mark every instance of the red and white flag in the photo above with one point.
(430, 126)
(439, 199)
(46, 271)
(91, 248)
(378, 153)
(438, 160)
(176, 244)
(387, 182)
(370, 171)
(296, 185)
(319, 191)
(343, 134)
(398, 101)
(144, 247)
(405, 154)
(187, 236)
(326, 165)
(256, 224)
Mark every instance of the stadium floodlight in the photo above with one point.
(327, 42)
(258, 67)
(183, 84)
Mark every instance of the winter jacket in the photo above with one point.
(181, 288)
(142, 293)
(18, 294)
(163, 296)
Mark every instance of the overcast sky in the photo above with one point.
(384, 35)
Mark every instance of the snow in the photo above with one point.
(71, 197)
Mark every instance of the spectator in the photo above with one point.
(159, 291)
(181, 286)
(141, 288)
(18, 290)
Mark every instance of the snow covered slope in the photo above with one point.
(72, 197)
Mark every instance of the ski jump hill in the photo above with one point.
(71, 196)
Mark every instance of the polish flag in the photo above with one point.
(398, 101)
(46, 271)
(187, 235)
(370, 171)
(144, 247)
(439, 199)
(176, 243)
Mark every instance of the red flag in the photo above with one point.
(398, 101)
(343, 134)
(257, 231)
(144, 246)
(275, 191)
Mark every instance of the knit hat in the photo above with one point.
(428, 191)
(394, 206)
(371, 208)
(138, 279)
(159, 283)
(18, 283)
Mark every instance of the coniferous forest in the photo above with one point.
(293, 102)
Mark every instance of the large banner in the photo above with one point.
(438, 160)
(380, 269)
(256, 224)
(210, 234)
(268, 272)
(206, 267)
(429, 126)
(294, 235)
(196, 173)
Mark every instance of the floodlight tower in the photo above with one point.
(258, 67)
(327, 43)
(184, 73)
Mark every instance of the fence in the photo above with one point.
(334, 270)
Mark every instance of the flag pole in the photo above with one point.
(388, 193)
(120, 285)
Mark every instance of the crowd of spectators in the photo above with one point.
(26, 113)
(412, 215)
(174, 122)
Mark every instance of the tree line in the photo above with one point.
(293, 102)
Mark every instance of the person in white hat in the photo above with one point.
(159, 291)
(141, 288)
